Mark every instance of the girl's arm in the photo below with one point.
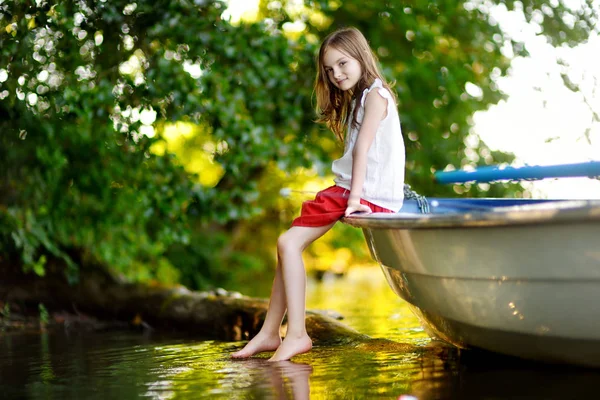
(375, 111)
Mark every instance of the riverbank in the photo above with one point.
(18, 318)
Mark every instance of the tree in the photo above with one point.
(85, 88)
(445, 57)
(90, 89)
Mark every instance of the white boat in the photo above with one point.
(517, 277)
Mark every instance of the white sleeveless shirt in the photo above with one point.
(384, 180)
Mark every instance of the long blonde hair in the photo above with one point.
(334, 105)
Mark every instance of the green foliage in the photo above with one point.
(44, 314)
(5, 311)
(89, 89)
(433, 50)
(79, 179)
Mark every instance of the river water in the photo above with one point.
(129, 365)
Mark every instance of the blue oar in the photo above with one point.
(495, 173)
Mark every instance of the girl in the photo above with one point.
(354, 101)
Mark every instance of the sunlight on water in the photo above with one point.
(128, 365)
(368, 305)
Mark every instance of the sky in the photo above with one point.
(528, 118)
(541, 122)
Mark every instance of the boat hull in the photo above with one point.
(527, 288)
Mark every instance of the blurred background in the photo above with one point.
(152, 138)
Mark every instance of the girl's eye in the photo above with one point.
(342, 63)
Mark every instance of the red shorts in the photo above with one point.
(329, 206)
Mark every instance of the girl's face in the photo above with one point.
(342, 70)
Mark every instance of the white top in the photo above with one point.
(384, 180)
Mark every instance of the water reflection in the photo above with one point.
(478, 375)
(287, 379)
(127, 365)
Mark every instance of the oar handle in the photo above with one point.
(495, 173)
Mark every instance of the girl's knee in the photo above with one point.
(285, 243)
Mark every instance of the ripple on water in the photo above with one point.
(125, 365)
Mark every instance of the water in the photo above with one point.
(128, 365)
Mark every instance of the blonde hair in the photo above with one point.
(334, 105)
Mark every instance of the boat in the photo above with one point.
(520, 277)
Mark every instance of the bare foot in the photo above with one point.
(258, 344)
(292, 346)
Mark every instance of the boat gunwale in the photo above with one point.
(548, 212)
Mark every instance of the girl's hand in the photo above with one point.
(357, 207)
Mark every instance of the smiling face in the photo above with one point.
(341, 69)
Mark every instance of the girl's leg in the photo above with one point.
(289, 249)
(268, 338)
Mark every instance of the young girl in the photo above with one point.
(358, 106)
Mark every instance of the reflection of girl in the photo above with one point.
(358, 106)
(288, 379)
